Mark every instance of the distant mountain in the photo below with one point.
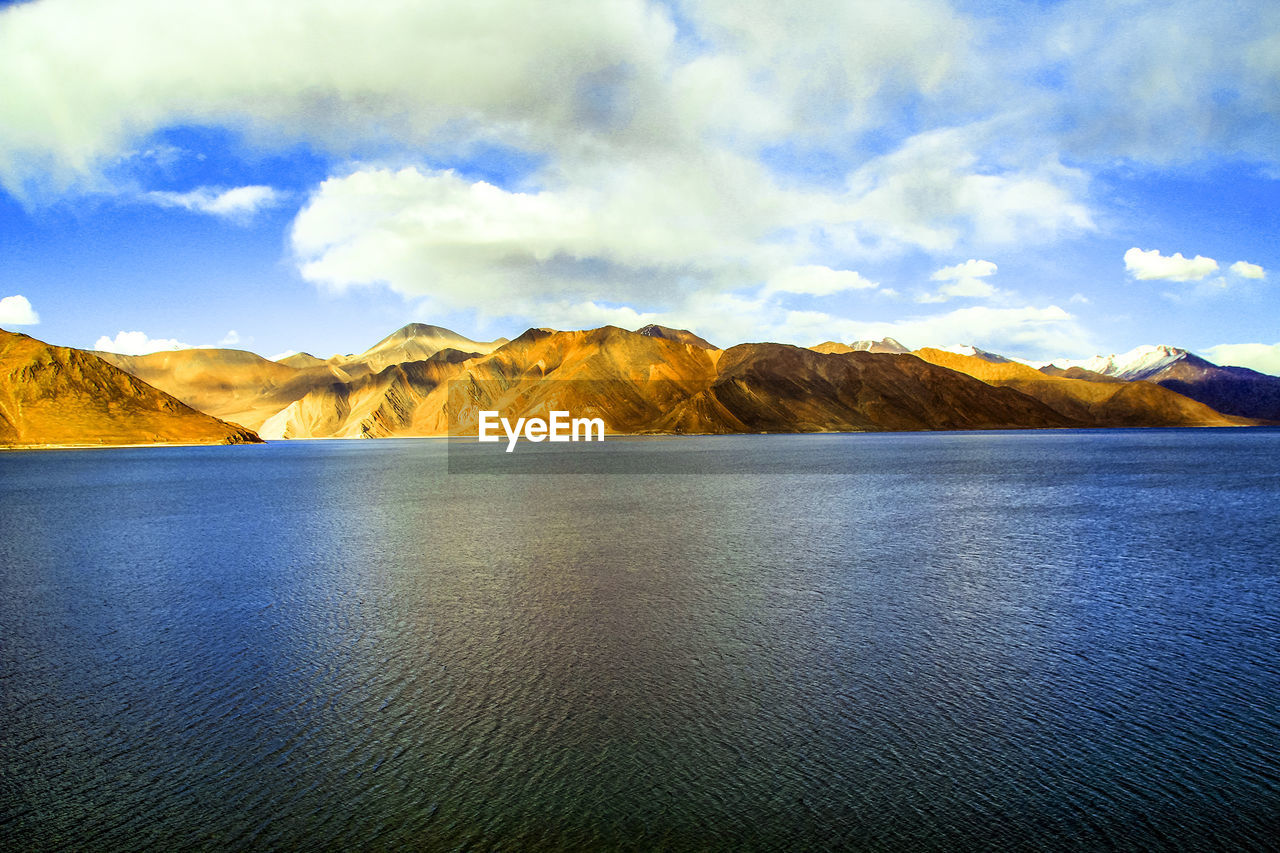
(391, 402)
(230, 384)
(1138, 363)
(644, 383)
(974, 352)
(1231, 390)
(53, 395)
(301, 360)
(780, 388)
(683, 336)
(1107, 403)
(655, 380)
(414, 342)
(886, 345)
(249, 389)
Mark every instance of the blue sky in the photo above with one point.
(1039, 179)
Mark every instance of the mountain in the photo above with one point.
(1095, 404)
(973, 351)
(1138, 363)
(886, 345)
(683, 336)
(1231, 390)
(301, 360)
(654, 380)
(248, 389)
(645, 384)
(60, 396)
(780, 388)
(391, 402)
(230, 384)
(414, 342)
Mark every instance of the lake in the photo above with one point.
(935, 641)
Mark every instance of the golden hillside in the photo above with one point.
(60, 396)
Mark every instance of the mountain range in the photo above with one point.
(427, 380)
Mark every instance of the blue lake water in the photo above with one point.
(1048, 640)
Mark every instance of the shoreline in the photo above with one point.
(13, 448)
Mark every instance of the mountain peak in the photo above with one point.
(1140, 362)
(684, 336)
(967, 349)
(890, 345)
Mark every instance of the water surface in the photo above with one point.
(1058, 640)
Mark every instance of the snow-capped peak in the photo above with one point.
(966, 349)
(1137, 363)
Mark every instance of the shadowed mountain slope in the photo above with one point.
(780, 388)
(1231, 390)
(1105, 403)
(226, 383)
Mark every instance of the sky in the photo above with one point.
(1040, 179)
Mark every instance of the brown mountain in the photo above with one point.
(779, 388)
(229, 384)
(885, 345)
(1096, 404)
(683, 336)
(301, 360)
(60, 396)
(642, 384)
(402, 399)
(251, 390)
(1232, 390)
(414, 342)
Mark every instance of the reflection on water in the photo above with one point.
(951, 640)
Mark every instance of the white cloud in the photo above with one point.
(1261, 357)
(816, 280)
(240, 204)
(936, 190)
(1151, 265)
(1244, 269)
(831, 65)
(413, 73)
(969, 269)
(17, 311)
(619, 236)
(1027, 331)
(281, 356)
(137, 343)
(1162, 82)
(964, 281)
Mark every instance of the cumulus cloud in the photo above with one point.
(17, 311)
(963, 281)
(1029, 331)
(1151, 265)
(240, 203)
(936, 190)
(816, 280)
(539, 75)
(621, 237)
(1244, 269)
(137, 343)
(1261, 357)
